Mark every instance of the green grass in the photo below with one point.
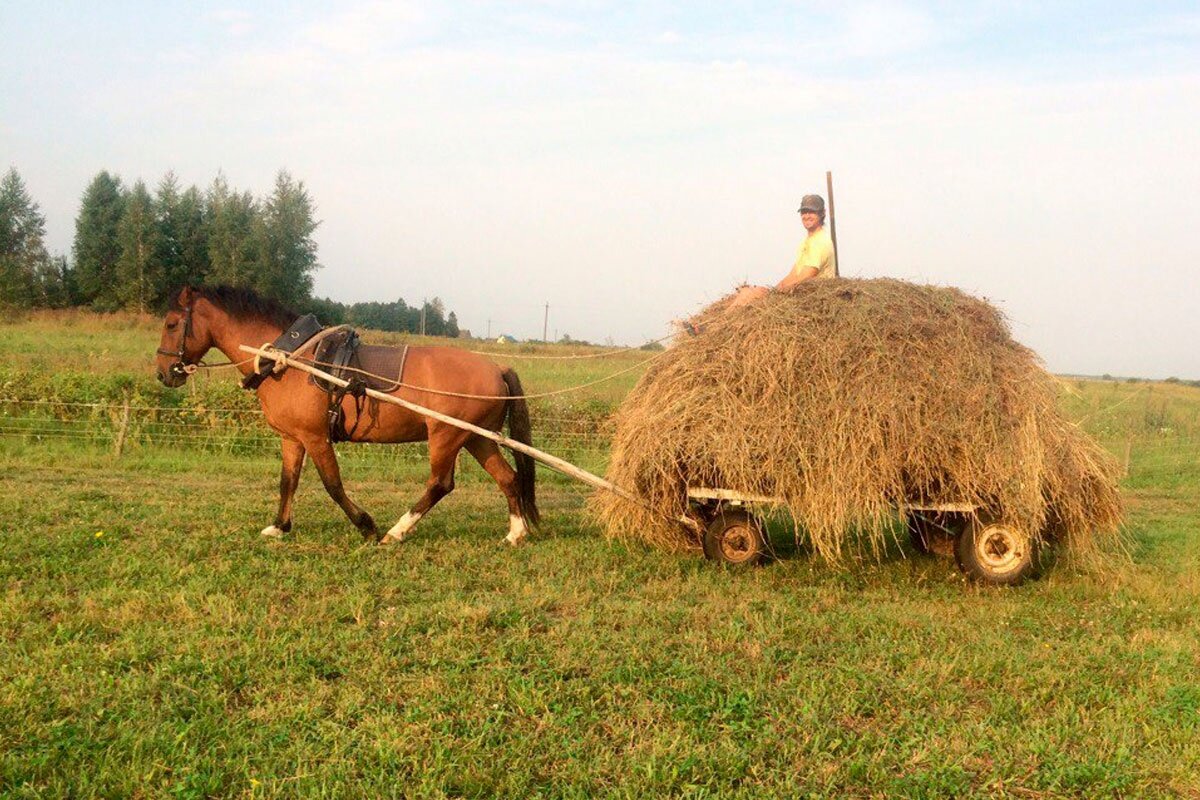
(151, 644)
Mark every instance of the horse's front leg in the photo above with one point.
(289, 479)
(323, 455)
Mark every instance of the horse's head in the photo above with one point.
(185, 339)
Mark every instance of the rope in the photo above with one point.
(605, 354)
(400, 384)
(202, 365)
(1107, 409)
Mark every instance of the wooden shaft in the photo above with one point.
(554, 462)
(837, 268)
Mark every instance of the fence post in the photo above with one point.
(1128, 451)
(119, 445)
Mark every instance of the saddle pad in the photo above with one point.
(385, 362)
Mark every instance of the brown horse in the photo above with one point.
(199, 319)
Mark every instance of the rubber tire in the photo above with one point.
(736, 537)
(934, 533)
(996, 553)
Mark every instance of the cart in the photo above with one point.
(987, 550)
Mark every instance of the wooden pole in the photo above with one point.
(837, 267)
(565, 467)
(119, 444)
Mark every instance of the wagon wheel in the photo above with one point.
(996, 552)
(934, 533)
(735, 537)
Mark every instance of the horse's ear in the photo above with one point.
(185, 295)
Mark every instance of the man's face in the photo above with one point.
(811, 220)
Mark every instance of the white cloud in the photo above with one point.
(883, 29)
(369, 26)
(235, 22)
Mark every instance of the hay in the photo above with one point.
(845, 399)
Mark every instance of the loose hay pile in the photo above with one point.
(847, 398)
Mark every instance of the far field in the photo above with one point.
(151, 644)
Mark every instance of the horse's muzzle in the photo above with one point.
(172, 378)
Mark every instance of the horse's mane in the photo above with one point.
(242, 304)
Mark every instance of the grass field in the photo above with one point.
(151, 644)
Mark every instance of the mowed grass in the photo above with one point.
(151, 644)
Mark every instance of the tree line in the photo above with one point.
(133, 247)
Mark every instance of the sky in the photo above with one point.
(627, 163)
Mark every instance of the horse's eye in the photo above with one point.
(172, 326)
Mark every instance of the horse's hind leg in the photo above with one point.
(444, 444)
(487, 453)
(289, 479)
(323, 455)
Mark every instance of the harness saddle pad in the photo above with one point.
(342, 355)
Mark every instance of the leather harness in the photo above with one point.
(338, 353)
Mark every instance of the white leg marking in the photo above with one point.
(516, 530)
(401, 528)
(272, 531)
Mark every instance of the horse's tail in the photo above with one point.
(520, 430)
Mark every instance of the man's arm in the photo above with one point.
(794, 279)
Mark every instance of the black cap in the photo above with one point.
(812, 202)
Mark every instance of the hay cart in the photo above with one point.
(986, 549)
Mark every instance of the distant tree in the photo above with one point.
(232, 242)
(435, 317)
(452, 325)
(287, 252)
(182, 237)
(96, 247)
(23, 256)
(330, 312)
(56, 284)
(140, 273)
(192, 233)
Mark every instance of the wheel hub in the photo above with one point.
(738, 543)
(1000, 548)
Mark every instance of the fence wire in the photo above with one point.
(239, 435)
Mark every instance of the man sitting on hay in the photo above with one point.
(815, 260)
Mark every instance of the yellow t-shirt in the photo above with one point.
(816, 251)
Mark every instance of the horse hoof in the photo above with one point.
(511, 542)
(272, 532)
(390, 539)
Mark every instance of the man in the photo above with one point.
(815, 260)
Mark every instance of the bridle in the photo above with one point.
(182, 367)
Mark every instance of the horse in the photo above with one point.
(199, 319)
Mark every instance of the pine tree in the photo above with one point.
(182, 235)
(452, 325)
(56, 284)
(232, 225)
(192, 234)
(140, 272)
(287, 251)
(22, 247)
(96, 246)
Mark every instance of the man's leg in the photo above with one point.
(747, 295)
